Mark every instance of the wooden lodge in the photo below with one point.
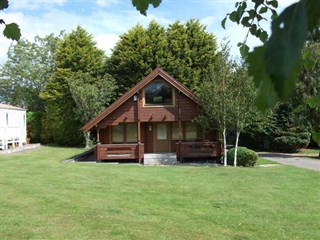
(155, 116)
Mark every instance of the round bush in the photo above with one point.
(245, 157)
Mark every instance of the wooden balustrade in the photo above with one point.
(199, 150)
(119, 151)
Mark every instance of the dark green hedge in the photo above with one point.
(245, 157)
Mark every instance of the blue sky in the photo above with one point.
(105, 20)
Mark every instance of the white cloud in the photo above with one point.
(104, 26)
(106, 42)
(35, 4)
(106, 3)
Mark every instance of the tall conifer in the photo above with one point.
(77, 52)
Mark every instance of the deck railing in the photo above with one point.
(199, 150)
(120, 151)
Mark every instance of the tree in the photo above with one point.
(192, 52)
(11, 30)
(306, 95)
(274, 65)
(90, 94)
(138, 52)
(26, 71)
(24, 75)
(242, 109)
(216, 98)
(77, 52)
(186, 51)
(314, 104)
(143, 5)
(261, 133)
(286, 133)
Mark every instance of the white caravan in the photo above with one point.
(13, 126)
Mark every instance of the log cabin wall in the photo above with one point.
(189, 110)
(125, 113)
(104, 135)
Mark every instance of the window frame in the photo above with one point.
(173, 91)
(195, 131)
(125, 133)
(175, 130)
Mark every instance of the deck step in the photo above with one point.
(160, 158)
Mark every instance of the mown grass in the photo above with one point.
(262, 161)
(309, 151)
(42, 197)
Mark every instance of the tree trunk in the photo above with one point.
(88, 141)
(236, 149)
(224, 147)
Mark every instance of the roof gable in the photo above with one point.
(140, 85)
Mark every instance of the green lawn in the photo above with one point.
(42, 197)
(309, 151)
(262, 161)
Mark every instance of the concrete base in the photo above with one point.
(160, 159)
(19, 149)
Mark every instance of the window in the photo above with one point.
(132, 132)
(118, 133)
(158, 93)
(7, 119)
(191, 131)
(161, 131)
(175, 131)
(125, 133)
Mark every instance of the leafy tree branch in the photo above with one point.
(11, 30)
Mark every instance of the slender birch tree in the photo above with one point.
(242, 105)
(216, 98)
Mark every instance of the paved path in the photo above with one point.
(289, 159)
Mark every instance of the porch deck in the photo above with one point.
(135, 151)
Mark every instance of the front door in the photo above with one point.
(162, 138)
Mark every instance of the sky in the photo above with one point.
(105, 20)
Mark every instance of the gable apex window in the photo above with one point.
(158, 93)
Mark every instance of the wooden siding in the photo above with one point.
(104, 135)
(126, 113)
(189, 110)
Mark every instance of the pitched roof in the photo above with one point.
(6, 106)
(155, 73)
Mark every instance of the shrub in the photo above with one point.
(245, 157)
(291, 142)
(34, 126)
